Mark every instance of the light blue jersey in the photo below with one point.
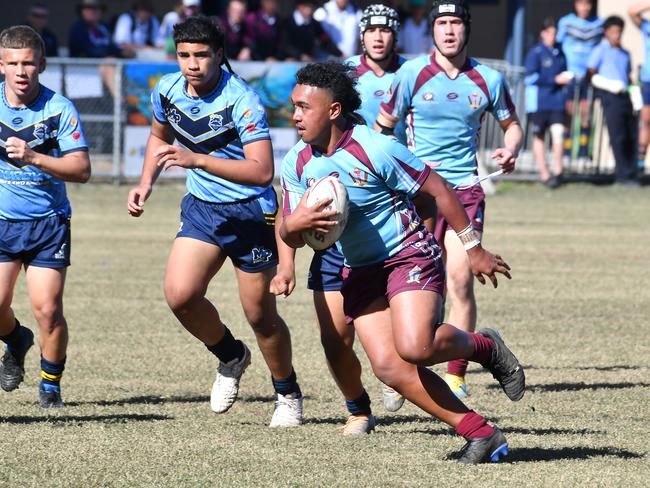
(380, 175)
(611, 62)
(443, 116)
(579, 37)
(220, 124)
(50, 125)
(373, 88)
(645, 68)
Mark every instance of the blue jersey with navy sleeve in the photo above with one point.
(219, 124)
(49, 125)
(380, 175)
(645, 68)
(543, 64)
(373, 88)
(443, 115)
(578, 38)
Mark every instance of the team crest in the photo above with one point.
(173, 116)
(310, 182)
(414, 275)
(41, 131)
(427, 96)
(216, 122)
(60, 254)
(359, 177)
(475, 101)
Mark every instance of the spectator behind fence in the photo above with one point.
(138, 28)
(415, 36)
(262, 32)
(340, 19)
(609, 66)
(546, 77)
(233, 26)
(183, 11)
(89, 37)
(635, 13)
(37, 19)
(579, 33)
(303, 37)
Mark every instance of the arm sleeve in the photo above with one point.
(249, 117)
(595, 59)
(398, 99)
(561, 30)
(70, 136)
(532, 68)
(402, 171)
(501, 105)
(292, 188)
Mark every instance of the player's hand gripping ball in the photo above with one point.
(328, 187)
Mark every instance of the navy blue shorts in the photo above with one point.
(645, 93)
(544, 119)
(325, 270)
(244, 230)
(582, 85)
(44, 242)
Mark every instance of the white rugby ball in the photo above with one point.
(324, 188)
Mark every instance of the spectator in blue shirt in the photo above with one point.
(90, 37)
(635, 13)
(609, 67)
(579, 33)
(546, 77)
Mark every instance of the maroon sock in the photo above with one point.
(457, 367)
(474, 426)
(483, 347)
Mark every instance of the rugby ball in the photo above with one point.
(324, 188)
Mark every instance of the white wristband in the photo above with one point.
(469, 237)
(471, 244)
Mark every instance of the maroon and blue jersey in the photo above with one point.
(373, 89)
(443, 115)
(380, 175)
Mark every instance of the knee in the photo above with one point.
(49, 316)
(392, 373)
(180, 298)
(414, 353)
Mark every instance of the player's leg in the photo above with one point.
(45, 286)
(539, 148)
(557, 148)
(17, 338)
(191, 265)
(585, 114)
(274, 341)
(644, 131)
(337, 339)
(423, 387)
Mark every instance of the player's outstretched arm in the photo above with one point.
(513, 136)
(284, 282)
(160, 135)
(481, 260)
(256, 169)
(73, 167)
(305, 218)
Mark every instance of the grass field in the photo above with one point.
(137, 385)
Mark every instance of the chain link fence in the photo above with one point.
(97, 88)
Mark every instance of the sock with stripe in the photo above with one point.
(51, 373)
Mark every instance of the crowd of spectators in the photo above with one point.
(254, 30)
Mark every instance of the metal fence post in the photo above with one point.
(118, 99)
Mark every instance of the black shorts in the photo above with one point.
(541, 121)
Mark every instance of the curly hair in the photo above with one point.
(335, 77)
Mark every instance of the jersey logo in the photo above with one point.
(173, 116)
(475, 101)
(428, 97)
(452, 96)
(195, 110)
(41, 131)
(359, 177)
(379, 93)
(414, 275)
(261, 255)
(216, 122)
(60, 254)
(17, 120)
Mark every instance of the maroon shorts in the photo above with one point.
(473, 199)
(417, 267)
